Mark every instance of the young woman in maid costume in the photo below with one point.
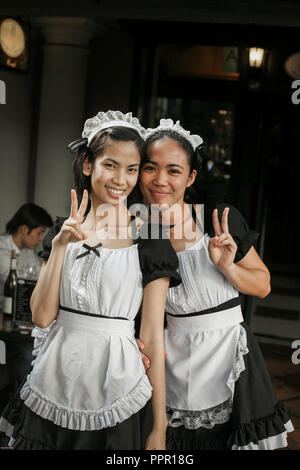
(219, 394)
(88, 388)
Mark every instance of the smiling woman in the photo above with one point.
(219, 394)
(166, 179)
(88, 388)
(109, 165)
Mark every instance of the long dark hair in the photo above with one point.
(95, 149)
(31, 215)
(191, 195)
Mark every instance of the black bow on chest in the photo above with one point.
(89, 249)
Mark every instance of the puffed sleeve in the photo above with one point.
(47, 242)
(243, 236)
(158, 259)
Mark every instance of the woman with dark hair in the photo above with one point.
(24, 232)
(88, 388)
(219, 394)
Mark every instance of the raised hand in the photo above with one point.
(70, 231)
(222, 248)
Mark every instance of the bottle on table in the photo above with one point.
(9, 294)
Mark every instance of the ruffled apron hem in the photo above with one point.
(88, 420)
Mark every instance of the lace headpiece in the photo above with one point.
(110, 119)
(103, 121)
(168, 125)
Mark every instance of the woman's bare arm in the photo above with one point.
(250, 275)
(44, 301)
(45, 297)
(152, 336)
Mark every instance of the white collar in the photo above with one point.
(13, 245)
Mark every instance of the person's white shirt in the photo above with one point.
(28, 263)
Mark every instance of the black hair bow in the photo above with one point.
(77, 144)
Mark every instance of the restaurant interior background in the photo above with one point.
(184, 60)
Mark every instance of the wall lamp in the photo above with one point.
(256, 56)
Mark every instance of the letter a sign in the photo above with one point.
(230, 59)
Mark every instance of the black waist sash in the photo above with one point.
(224, 306)
(72, 310)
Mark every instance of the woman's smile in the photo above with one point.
(159, 194)
(115, 193)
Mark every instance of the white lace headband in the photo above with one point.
(110, 119)
(168, 125)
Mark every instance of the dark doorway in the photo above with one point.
(255, 160)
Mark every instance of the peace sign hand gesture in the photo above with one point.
(70, 231)
(222, 248)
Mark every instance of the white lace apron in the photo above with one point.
(205, 351)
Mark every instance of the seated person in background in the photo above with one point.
(24, 232)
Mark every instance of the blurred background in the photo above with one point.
(226, 70)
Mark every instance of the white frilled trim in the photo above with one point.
(6, 427)
(270, 443)
(11, 442)
(40, 335)
(220, 413)
(88, 420)
(239, 365)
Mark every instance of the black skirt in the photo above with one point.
(28, 431)
(258, 420)
(199, 439)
